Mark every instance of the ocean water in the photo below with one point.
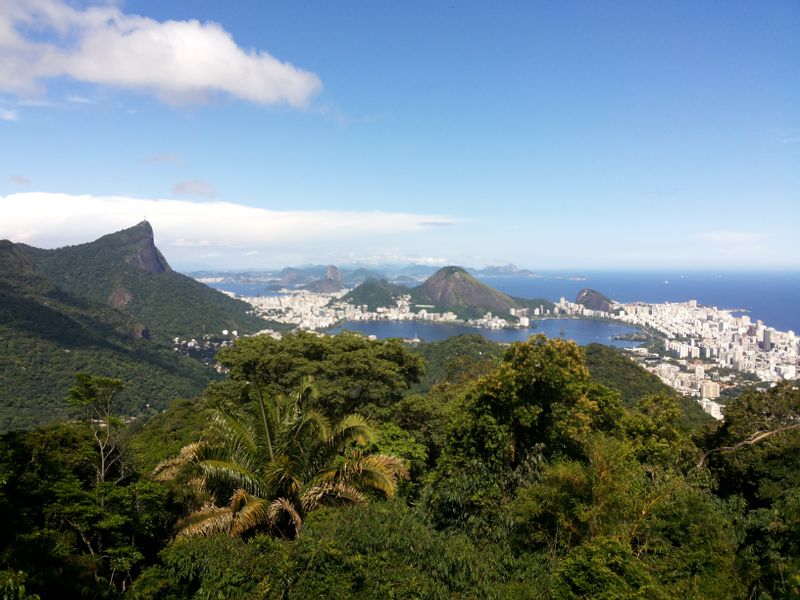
(582, 331)
(773, 297)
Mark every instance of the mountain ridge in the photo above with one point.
(127, 271)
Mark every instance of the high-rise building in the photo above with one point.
(767, 340)
(710, 389)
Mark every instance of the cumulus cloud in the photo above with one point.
(184, 230)
(194, 187)
(179, 61)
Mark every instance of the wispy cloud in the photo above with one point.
(733, 237)
(194, 187)
(6, 114)
(185, 230)
(80, 100)
(20, 180)
(179, 61)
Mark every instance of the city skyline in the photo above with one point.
(576, 136)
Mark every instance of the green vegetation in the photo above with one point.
(351, 372)
(529, 478)
(613, 369)
(278, 458)
(456, 360)
(126, 270)
(375, 293)
(47, 335)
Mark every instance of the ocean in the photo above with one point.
(772, 297)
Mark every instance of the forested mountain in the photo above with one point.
(126, 271)
(449, 289)
(109, 307)
(593, 300)
(48, 334)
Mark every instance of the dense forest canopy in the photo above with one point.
(344, 467)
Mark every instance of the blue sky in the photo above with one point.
(568, 135)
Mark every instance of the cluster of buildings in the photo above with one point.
(301, 308)
(705, 349)
(206, 348)
(313, 311)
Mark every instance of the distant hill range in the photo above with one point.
(448, 289)
(332, 282)
(109, 307)
(509, 270)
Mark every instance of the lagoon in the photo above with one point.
(582, 331)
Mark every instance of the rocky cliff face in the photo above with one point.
(332, 282)
(332, 273)
(144, 254)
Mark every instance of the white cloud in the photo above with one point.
(184, 228)
(6, 114)
(179, 61)
(80, 100)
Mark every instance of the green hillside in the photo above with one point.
(125, 270)
(612, 368)
(47, 335)
(374, 293)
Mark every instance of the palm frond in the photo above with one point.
(306, 393)
(281, 506)
(282, 474)
(377, 471)
(248, 512)
(206, 521)
(232, 473)
(170, 467)
(311, 422)
(330, 493)
(351, 428)
(235, 432)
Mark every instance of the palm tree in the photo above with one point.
(279, 458)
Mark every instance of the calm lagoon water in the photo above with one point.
(579, 330)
